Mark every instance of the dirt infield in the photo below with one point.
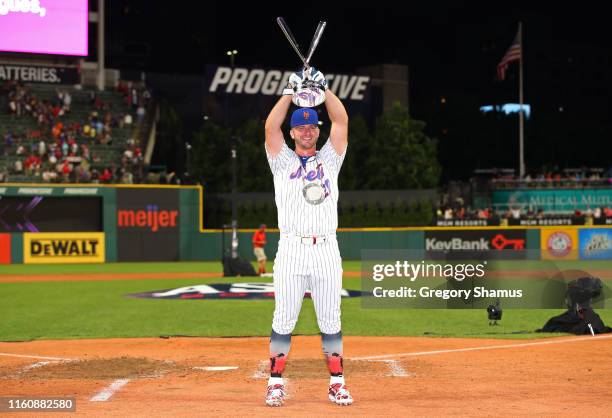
(388, 376)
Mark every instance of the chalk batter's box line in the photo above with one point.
(490, 347)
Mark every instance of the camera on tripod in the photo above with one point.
(494, 312)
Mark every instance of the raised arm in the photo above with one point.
(274, 123)
(339, 122)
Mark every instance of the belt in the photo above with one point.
(307, 240)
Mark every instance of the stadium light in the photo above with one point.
(232, 54)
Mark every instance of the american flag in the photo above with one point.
(512, 54)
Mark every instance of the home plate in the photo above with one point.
(216, 368)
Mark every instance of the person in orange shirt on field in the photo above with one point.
(259, 241)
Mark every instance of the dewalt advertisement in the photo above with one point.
(72, 247)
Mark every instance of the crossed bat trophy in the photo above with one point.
(308, 90)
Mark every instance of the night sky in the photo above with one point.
(451, 48)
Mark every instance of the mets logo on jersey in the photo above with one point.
(317, 175)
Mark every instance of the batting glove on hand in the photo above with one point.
(318, 77)
(294, 84)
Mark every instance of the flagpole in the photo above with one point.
(521, 113)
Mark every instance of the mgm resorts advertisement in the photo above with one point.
(148, 225)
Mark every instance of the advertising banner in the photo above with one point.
(74, 247)
(553, 200)
(559, 244)
(5, 249)
(256, 81)
(37, 213)
(595, 244)
(466, 244)
(39, 74)
(148, 224)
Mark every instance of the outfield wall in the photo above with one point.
(100, 223)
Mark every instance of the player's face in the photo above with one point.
(305, 136)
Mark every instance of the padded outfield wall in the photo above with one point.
(100, 223)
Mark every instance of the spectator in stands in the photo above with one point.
(18, 167)
(66, 168)
(597, 213)
(128, 154)
(146, 96)
(67, 102)
(483, 213)
(7, 143)
(448, 213)
(106, 176)
(140, 113)
(42, 148)
(13, 107)
(105, 138)
(134, 99)
(515, 213)
(85, 152)
(460, 213)
(81, 172)
(127, 177)
(95, 176)
(61, 146)
(49, 175)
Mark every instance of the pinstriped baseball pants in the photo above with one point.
(298, 268)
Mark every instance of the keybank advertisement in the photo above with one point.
(596, 243)
(467, 244)
(72, 247)
(565, 200)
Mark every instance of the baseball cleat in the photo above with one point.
(275, 395)
(339, 394)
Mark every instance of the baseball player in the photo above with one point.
(259, 241)
(306, 195)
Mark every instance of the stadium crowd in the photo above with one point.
(449, 213)
(59, 148)
(553, 178)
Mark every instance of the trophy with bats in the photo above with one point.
(309, 93)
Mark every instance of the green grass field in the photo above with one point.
(101, 309)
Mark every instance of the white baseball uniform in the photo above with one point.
(308, 256)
